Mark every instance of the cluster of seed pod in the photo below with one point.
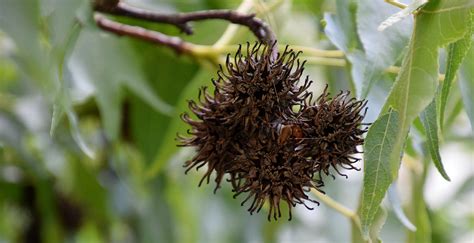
(262, 129)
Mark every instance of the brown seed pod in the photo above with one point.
(248, 130)
(335, 127)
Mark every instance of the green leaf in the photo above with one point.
(379, 142)
(438, 23)
(395, 18)
(456, 53)
(382, 49)
(109, 64)
(466, 85)
(375, 51)
(429, 119)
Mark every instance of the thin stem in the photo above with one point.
(316, 52)
(339, 62)
(334, 205)
(396, 3)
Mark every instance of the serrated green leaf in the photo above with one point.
(456, 53)
(379, 142)
(382, 49)
(466, 85)
(110, 66)
(437, 24)
(430, 123)
(166, 151)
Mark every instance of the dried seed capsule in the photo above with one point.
(249, 131)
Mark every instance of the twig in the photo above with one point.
(123, 9)
(176, 43)
(181, 20)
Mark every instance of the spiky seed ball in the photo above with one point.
(237, 130)
(335, 128)
(249, 130)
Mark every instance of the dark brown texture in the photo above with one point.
(261, 129)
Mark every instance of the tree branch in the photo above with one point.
(176, 43)
(181, 20)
